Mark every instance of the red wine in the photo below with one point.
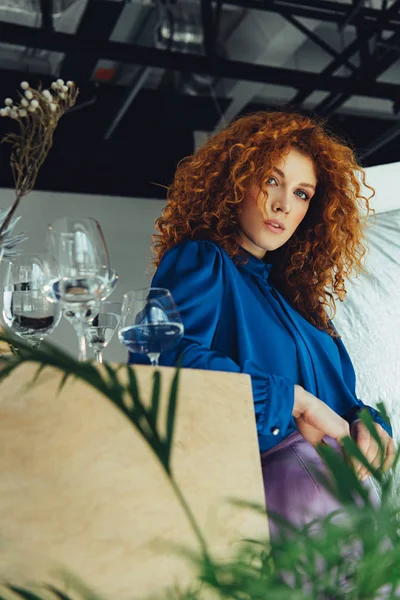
(27, 325)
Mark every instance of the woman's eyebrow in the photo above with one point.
(282, 174)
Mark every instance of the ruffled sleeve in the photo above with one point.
(195, 273)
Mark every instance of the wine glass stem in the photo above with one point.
(99, 356)
(82, 340)
(154, 356)
(35, 343)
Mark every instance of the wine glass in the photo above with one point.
(80, 249)
(87, 316)
(111, 284)
(26, 310)
(91, 308)
(150, 322)
(101, 328)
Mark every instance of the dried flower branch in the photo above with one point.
(37, 113)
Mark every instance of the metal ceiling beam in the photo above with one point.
(379, 32)
(363, 39)
(100, 16)
(334, 12)
(348, 52)
(263, 38)
(353, 12)
(46, 8)
(375, 66)
(317, 40)
(217, 18)
(130, 53)
(129, 96)
(207, 17)
(385, 138)
(369, 71)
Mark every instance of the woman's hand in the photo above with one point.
(315, 419)
(369, 447)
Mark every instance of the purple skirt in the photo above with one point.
(293, 492)
(291, 489)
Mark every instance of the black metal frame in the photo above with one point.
(353, 12)
(104, 15)
(83, 49)
(46, 8)
(385, 138)
(349, 51)
(334, 12)
(208, 21)
(318, 41)
(370, 68)
(95, 48)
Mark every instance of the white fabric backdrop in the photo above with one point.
(369, 319)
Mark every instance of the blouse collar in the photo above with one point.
(255, 265)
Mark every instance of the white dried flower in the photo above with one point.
(8, 102)
(8, 109)
(35, 103)
(24, 102)
(14, 114)
(48, 95)
(53, 107)
(65, 88)
(70, 84)
(62, 96)
(22, 112)
(28, 94)
(54, 86)
(3, 112)
(60, 82)
(31, 109)
(24, 85)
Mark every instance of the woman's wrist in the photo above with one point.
(300, 401)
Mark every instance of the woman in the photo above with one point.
(259, 222)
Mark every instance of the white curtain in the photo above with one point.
(369, 319)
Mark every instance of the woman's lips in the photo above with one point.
(273, 229)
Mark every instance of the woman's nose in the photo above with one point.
(284, 203)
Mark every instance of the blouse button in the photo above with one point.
(275, 431)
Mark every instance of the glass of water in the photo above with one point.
(101, 328)
(81, 253)
(26, 310)
(150, 322)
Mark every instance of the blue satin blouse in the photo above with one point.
(235, 320)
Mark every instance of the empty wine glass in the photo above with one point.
(80, 249)
(101, 328)
(26, 310)
(150, 322)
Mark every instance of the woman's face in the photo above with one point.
(290, 188)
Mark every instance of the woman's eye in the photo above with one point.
(304, 196)
(271, 179)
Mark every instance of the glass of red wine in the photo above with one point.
(150, 322)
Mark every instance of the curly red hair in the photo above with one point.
(205, 199)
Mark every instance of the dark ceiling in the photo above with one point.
(126, 138)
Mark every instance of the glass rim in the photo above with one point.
(92, 219)
(30, 254)
(132, 292)
(108, 304)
